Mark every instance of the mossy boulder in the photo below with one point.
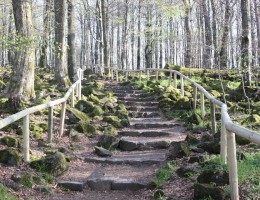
(178, 150)
(94, 99)
(195, 118)
(28, 179)
(10, 157)
(191, 140)
(54, 164)
(212, 147)
(215, 93)
(10, 142)
(36, 131)
(204, 191)
(113, 120)
(220, 178)
(85, 106)
(110, 130)
(183, 103)
(108, 142)
(75, 116)
(102, 152)
(88, 129)
(97, 111)
(166, 104)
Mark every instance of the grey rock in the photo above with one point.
(128, 145)
(108, 142)
(100, 184)
(72, 185)
(127, 185)
(100, 151)
(202, 191)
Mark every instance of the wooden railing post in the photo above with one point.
(170, 79)
(202, 104)
(26, 138)
(182, 86)
(62, 117)
(79, 90)
(112, 74)
(148, 75)
(213, 117)
(157, 75)
(195, 91)
(232, 165)
(117, 76)
(175, 80)
(50, 124)
(223, 150)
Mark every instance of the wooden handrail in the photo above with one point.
(26, 113)
(228, 128)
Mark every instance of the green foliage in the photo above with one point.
(5, 195)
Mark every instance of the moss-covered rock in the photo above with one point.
(36, 131)
(114, 120)
(110, 130)
(85, 106)
(178, 150)
(204, 191)
(10, 142)
(215, 93)
(54, 164)
(76, 116)
(220, 178)
(28, 179)
(183, 103)
(10, 157)
(166, 103)
(97, 111)
(251, 119)
(94, 99)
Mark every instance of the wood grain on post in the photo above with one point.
(79, 90)
(62, 117)
(182, 86)
(175, 80)
(232, 165)
(126, 76)
(223, 137)
(213, 117)
(202, 104)
(26, 138)
(148, 75)
(112, 74)
(117, 77)
(50, 124)
(195, 91)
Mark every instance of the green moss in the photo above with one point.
(94, 99)
(114, 120)
(110, 130)
(215, 93)
(10, 142)
(85, 106)
(36, 130)
(183, 103)
(97, 111)
(10, 157)
(81, 116)
(166, 104)
(251, 119)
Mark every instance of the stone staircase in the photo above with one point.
(141, 152)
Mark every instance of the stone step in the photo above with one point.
(142, 99)
(152, 123)
(135, 103)
(150, 133)
(127, 91)
(131, 158)
(107, 177)
(142, 108)
(138, 114)
(133, 95)
(143, 143)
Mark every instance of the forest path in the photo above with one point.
(129, 172)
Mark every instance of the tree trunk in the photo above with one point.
(71, 40)
(21, 85)
(187, 54)
(148, 35)
(139, 37)
(104, 32)
(245, 41)
(224, 39)
(60, 49)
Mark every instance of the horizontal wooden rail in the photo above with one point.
(228, 128)
(25, 114)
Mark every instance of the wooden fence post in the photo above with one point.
(202, 104)
(148, 75)
(223, 150)
(195, 91)
(112, 74)
(175, 80)
(232, 165)
(50, 124)
(182, 86)
(79, 90)
(170, 79)
(157, 75)
(213, 117)
(72, 98)
(26, 138)
(62, 118)
(117, 77)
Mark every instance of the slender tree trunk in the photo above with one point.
(245, 41)
(10, 52)
(187, 54)
(104, 32)
(60, 49)
(224, 40)
(139, 37)
(257, 20)
(21, 85)
(148, 35)
(214, 32)
(71, 40)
